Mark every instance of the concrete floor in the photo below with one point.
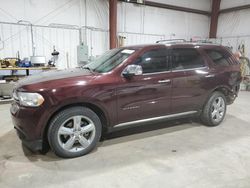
(171, 154)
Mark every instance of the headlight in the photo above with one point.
(14, 95)
(29, 99)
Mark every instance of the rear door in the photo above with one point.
(225, 69)
(189, 81)
(147, 95)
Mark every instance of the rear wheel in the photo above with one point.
(74, 132)
(215, 109)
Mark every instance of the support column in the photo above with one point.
(214, 18)
(113, 23)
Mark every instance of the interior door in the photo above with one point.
(147, 95)
(189, 79)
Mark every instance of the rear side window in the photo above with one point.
(186, 58)
(153, 61)
(219, 58)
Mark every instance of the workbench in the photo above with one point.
(26, 69)
(6, 88)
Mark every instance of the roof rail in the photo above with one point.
(203, 41)
(171, 41)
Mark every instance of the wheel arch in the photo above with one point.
(94, 107)
(223, 89)
(226, 91)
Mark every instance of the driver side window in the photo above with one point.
(153, 61)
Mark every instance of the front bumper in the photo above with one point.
(28, 124)
(34, 145)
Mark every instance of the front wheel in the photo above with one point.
(215, 109)
(74, 132)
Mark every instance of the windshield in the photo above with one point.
(109, 60)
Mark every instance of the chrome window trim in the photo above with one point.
(155, 118)
(182, 70)
(152, 73)
(198, 68)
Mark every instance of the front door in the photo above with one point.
(147, 95)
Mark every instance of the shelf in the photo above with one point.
(6, 101)
(13, 70)
(28, 68)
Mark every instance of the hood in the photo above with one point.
(54, 76)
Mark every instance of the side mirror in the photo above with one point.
(132, 70)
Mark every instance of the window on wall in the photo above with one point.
(186, 58)
(154, 61)
(219, 58)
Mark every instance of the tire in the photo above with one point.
(214, 111)
(74, 132)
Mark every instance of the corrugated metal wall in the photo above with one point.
(233, 28)
(139, 24)
(16, 38)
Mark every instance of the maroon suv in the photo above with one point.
(69, 110)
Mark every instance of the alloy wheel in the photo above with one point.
(218, 109)
(76, 133)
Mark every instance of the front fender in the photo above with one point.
(72, 102)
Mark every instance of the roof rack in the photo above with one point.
(180, 41)
(203, 41)
(171, 41)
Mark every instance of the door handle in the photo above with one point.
(210, 76)
(164, 81)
